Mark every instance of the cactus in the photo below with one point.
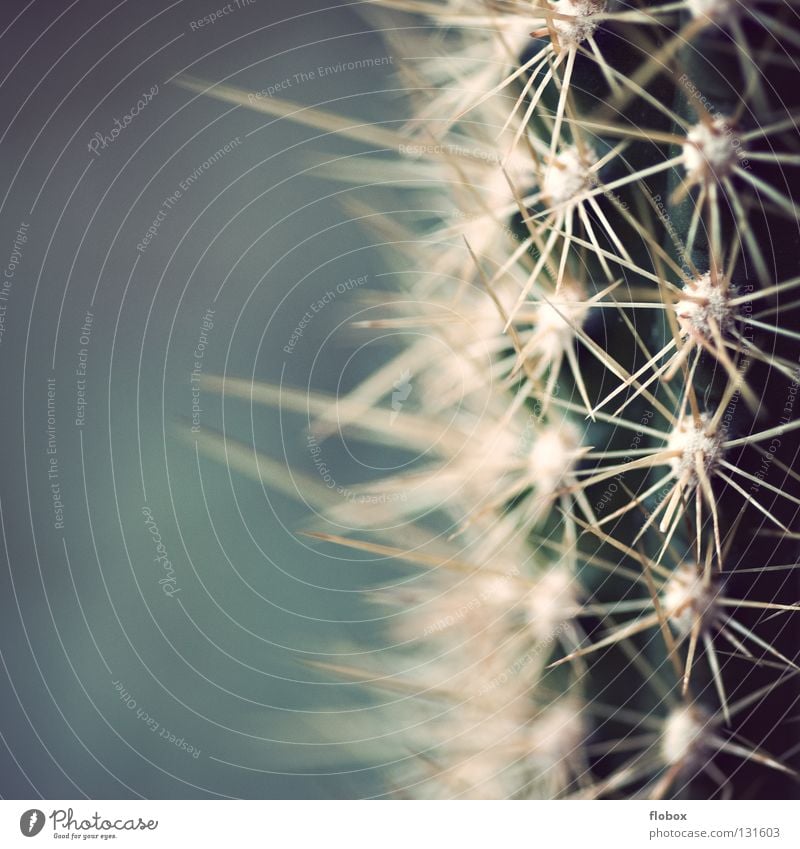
(600, 523)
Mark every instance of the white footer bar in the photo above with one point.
(400, 824)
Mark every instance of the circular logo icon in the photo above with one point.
(31, 822)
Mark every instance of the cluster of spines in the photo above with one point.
(545, 283)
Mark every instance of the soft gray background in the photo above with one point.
(82, 607)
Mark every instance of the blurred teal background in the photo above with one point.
(215, 663)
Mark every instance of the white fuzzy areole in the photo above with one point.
(573, 32)
(709, 150)
(714, 9)
(683, 733)
(550, 603)
(555, 322)
(553, 455)
(686, 598)
(709, 301)
(499, 590)
(689, 438)
(567, 176)
(558, 732)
